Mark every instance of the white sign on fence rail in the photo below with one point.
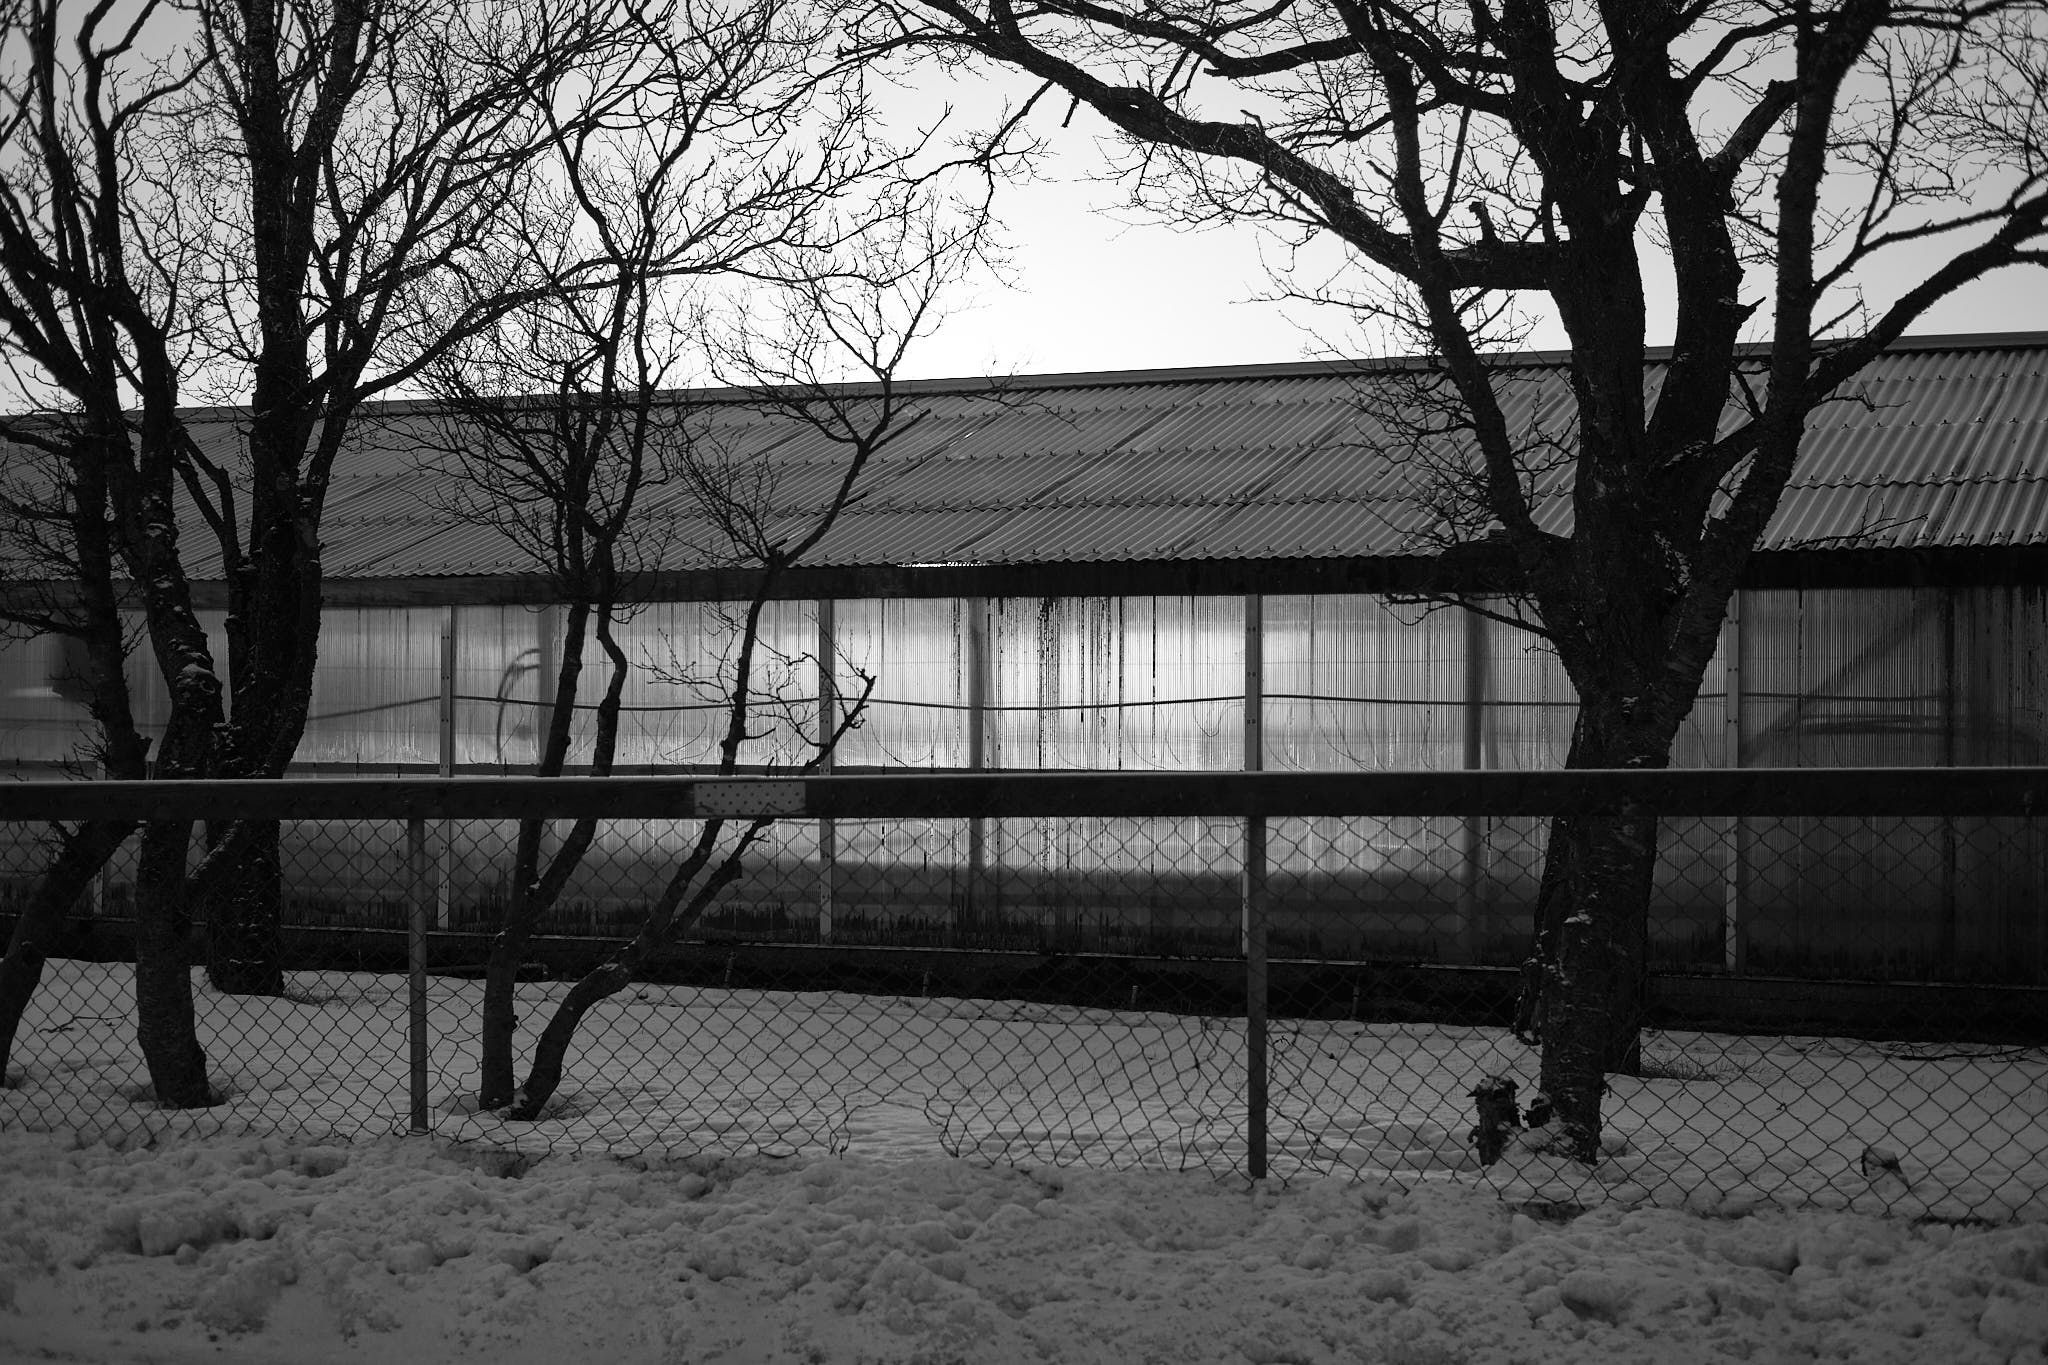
(749, 798)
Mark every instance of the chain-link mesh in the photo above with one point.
(1842, 1010)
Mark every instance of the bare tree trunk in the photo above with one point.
(163, 972)
(535, 891)
(240, 899)
(1589, 975)
(1556, 903)
(84, 852)
(669, 917)
(1593, 983)
(499, 1018)
(544, 1077)
(164, 1022)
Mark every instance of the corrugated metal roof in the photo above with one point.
(1337, 528)
(1073, 532)
(1908, 452)
(366, 550)
(1940, 442)
(1982, 513)
(1884, 517)
(912, 537)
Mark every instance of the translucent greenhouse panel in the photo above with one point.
(915, 650)
(500, 655)
(1353, 684)
(1530, 703)
(376, 685)
(685, 658)
(1843, 677)
(682, 661)
(377, 688)
(43, 720)
(1117, 682)
(2001, 703)
(1703, 740)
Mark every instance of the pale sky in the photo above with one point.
(1095, 288)
(1090, 293)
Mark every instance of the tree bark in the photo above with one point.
(1589, 974)
(241, 904)
(1592, 983)
(164, 1022)
(1556, 900)
(533, 889)
(163, 971)
(84, 852)
(544, 1077)
(499, 1018)
(669, 917)
(534, 892)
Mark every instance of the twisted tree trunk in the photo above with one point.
(670, 916)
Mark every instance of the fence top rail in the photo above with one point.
(957, 795)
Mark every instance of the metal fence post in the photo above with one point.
(1254, 908)
(1951, 714)
(1255, 995)
(1735, 873)
(978, 905)
(1467, 930)
(444, 852)
(422, 898)
(828, 721)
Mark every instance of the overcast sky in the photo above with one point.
(1094, 288)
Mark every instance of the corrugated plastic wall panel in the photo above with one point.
(1834, 677)
(376, 688)
(1118, 682)
(1355, 684)
(1843, 677)
(41, 722)
(915, 649)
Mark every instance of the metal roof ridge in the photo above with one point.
(995, 386)
(1920, 481)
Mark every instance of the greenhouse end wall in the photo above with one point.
(1805, 677)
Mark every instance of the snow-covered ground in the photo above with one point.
(843, 1178)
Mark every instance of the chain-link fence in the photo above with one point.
(1264, 974)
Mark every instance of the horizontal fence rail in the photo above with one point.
(1748, 791)
(1253, 974)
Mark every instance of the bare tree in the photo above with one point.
(862, 314)
(736, 162)
(90, 326)
(253, 215)
(567, 473)
(737, 165)
(1765, 161)
(59, 562)
(554, 418)
(355, 154)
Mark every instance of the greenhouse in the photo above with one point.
(1219, 570)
